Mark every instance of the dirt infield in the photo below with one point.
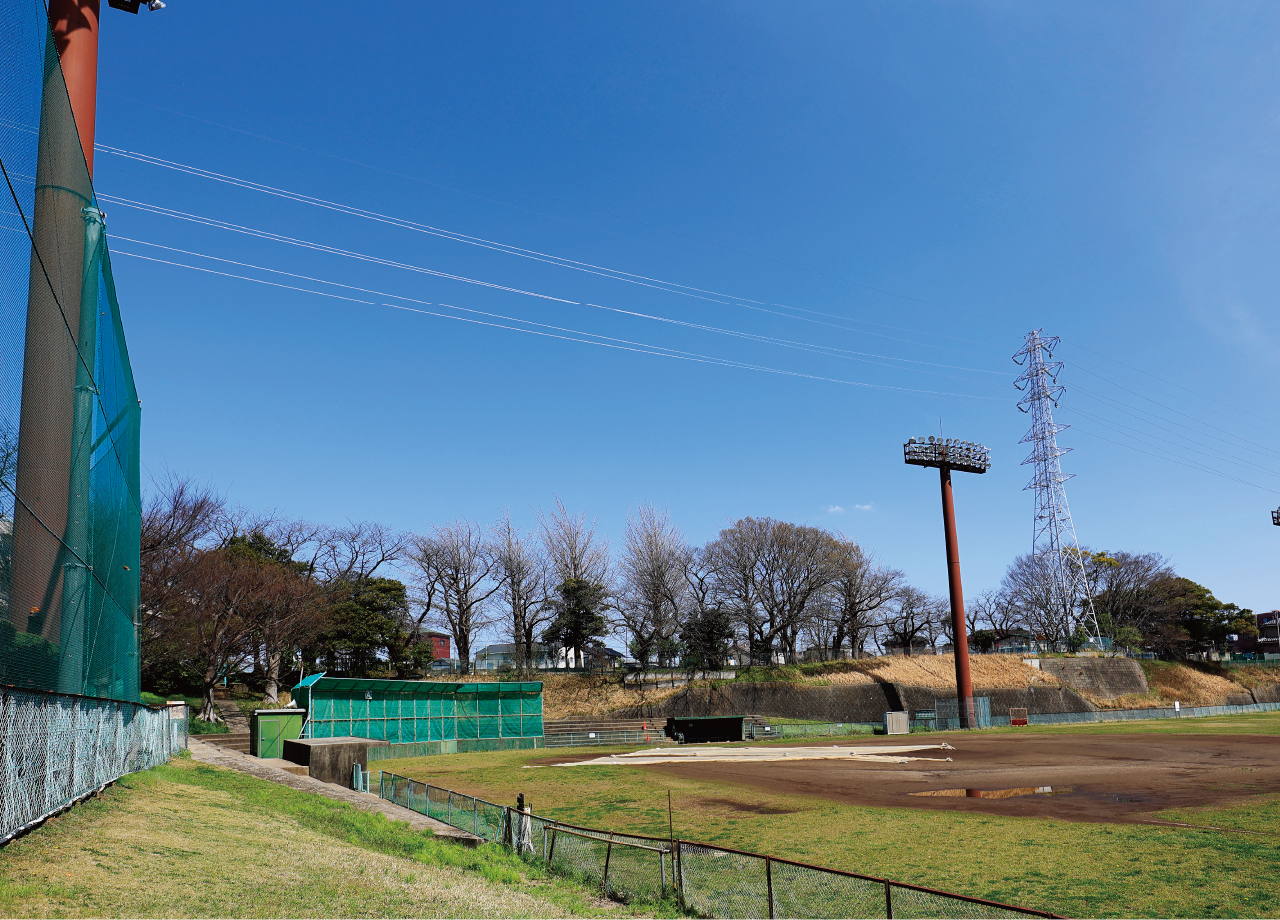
(1114, 778)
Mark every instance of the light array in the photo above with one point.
(1275, 517)
(964, 456)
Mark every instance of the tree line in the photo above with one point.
(224, 590)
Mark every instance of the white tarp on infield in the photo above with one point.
(889, 753)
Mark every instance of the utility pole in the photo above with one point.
(966, 457)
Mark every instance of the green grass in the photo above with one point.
(1073, 868)
(189, 839)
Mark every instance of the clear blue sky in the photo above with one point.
(937, 179)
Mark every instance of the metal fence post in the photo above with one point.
(475, 818)
(662, 869)
(888, 900)
(678, 869)
(552, 852)
(608, 851)
(768, 881)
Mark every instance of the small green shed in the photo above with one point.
(457, 716)
(270, 728)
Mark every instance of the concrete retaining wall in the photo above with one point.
(1105, 678)
(841, 703)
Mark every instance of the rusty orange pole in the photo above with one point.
(75, 35)
(964, 683)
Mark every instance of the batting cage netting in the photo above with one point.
(70, 507)
(70, 510)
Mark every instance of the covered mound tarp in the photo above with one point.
(402, 711)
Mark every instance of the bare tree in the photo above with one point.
(913, 614)
(1028, 586)
(522, 573)
(357, 551)
(797, 568)
(573, 547)
(860, 589)
(735, 561)
(652, 599)
(457, 560)
(771, 575)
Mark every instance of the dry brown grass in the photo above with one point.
(1251, 676)
(575, 696)
(936, 671)
(1189, 685)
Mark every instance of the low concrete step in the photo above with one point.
(286, 766)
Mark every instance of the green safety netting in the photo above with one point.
(70, 509)
(420, 711)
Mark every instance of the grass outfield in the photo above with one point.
(1072, 868)
(193, 840)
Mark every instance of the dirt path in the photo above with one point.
(1101, 778)
(220, 757)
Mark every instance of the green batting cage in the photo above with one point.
(441, 716)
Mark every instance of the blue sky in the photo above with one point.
(930, 181)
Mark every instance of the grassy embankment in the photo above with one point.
(1076, 869)
(192, 840)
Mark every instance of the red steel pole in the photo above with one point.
(75, 34)
(964, 683)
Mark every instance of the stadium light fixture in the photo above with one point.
(1275, 517)
(947, 454)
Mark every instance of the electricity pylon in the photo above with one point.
(1053, 541)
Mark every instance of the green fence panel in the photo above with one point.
(468, 727)
(531, 702)
(511, 727)
(531, 726)
(489, 726)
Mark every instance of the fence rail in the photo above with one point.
(55, 749)
(587, 738)
(713, 881)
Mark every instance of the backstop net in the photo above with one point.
(70, 509)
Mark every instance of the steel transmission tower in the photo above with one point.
(1054, 540)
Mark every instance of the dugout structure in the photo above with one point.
(421, 717)
(705, 729)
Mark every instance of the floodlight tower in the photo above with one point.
(1053, 539)
(1275, 517)
(948, 454)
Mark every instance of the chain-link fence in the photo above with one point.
(588, 738)
(1138, 715)
(712, 881)
(57, 749)
(757, 732)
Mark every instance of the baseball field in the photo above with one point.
(1177, 818)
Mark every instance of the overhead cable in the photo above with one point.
(572, 334)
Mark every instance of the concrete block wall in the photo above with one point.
(1106, 678)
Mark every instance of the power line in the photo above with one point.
(671, 287)
(624, 344)
(831, 351)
